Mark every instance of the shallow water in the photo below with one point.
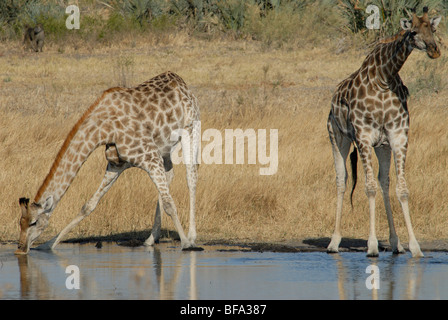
(165, 272)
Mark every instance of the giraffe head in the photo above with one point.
(33, 221)
(421, 32)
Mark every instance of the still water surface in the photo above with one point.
(165, 272)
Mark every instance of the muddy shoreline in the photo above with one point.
(136, 239)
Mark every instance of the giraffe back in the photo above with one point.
(144, 116)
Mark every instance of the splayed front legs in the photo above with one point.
(111, 175)
(161, 174)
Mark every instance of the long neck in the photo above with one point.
(391, 56)
(82, 140)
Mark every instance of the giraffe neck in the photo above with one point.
(391, 56)
(82, 140)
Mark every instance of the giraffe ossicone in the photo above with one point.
(369, 110)
(135, 125)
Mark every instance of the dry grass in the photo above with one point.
(239, 85)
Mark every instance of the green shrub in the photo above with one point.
(269, 21)
(21, 13)
(274, 26)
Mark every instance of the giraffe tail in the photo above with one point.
(354, 165)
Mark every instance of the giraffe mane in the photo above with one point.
(398, 38)
(66, 144)
(392, 38)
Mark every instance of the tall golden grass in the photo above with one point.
(239, 84)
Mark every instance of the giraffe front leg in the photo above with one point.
(371, 186)
(403, 197)
(111, 175)
(414, 247)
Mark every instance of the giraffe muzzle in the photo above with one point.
(433, 52)
(21, 249)
(20, 252)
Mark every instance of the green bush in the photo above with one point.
(15, 15)
(274, 26)
(269, 21)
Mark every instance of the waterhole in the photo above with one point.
(75, 271)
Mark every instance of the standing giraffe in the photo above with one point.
(369, 109)
(136, 125)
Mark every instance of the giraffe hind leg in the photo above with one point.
(341, 147)
(383, 154)
(190, 148)
(156, 228)
(192, 178)
(153, 165)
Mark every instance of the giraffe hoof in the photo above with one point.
(418, 255)
(398, 251)
(373, 255)
(151, 241)
(415, 249)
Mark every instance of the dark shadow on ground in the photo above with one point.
(137, 238)
(129, 239)
(304, 245)
(347, 244)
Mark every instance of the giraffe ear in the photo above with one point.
(24, 205)
(406, 24)
(435, 22)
